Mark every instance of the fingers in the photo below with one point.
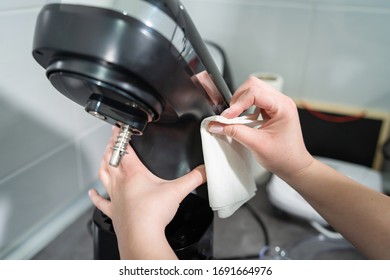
(101, 203)
(130, 162)
(110, 145)
(189, 182)
(246, 135)
(253, 92)
(104, 174)
(236, 108)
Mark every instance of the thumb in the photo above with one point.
(247, 136)
(101, 203)
(189, 182)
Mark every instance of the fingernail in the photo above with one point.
(90, 192)
(216, 128)
(225, 112)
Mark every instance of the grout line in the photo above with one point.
(20, 10)
(90, 130)
(80, 170)
(47, 230)
(73, 141)
(79, 166)
(35, 161)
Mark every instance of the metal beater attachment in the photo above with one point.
(119, 149)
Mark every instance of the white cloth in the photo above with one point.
(228, 167)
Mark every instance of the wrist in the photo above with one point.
(309, 180)
(299, 170)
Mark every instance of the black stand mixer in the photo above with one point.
(136, 66)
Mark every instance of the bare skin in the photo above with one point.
(360, 214)
(142, 203)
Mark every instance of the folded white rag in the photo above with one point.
(228, 166)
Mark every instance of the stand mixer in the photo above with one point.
(136, 65)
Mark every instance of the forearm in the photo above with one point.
(144, 244)
(360, 214)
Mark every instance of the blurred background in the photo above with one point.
(333, 51)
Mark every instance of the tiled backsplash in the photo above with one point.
(20, 4)
(332, 51)
(50, 149)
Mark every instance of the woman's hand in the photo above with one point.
(141, 205)
(278, 144)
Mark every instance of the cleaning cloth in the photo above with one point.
(228, 166)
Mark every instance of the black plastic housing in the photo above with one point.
(92, 53)
(123, 71)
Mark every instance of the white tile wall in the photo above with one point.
(40, 190)
(34, 118)
(348, 57)
(91, 147)
(20, 4)
(257, 36)
(334, 51)
(49, 147)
